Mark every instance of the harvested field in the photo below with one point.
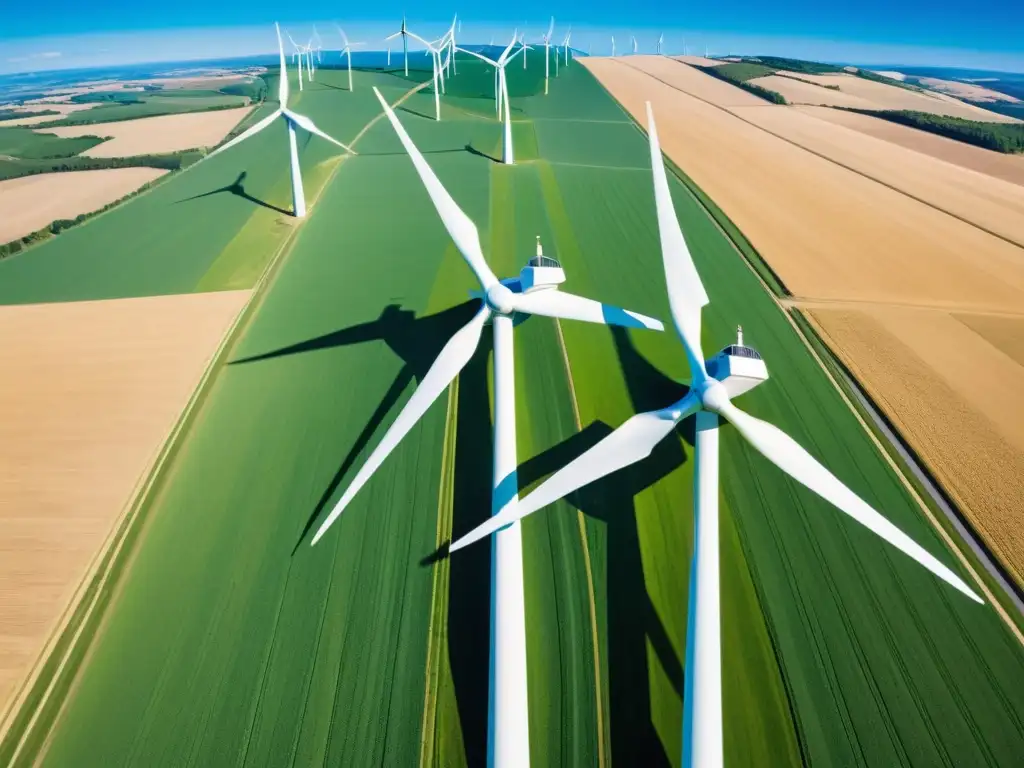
(828, 232)
(31, 202)
(89, 393)
(152, 135)
(969, 91)
(995, 164)
(692, 81)
(954, 397)
(859, 93)
(992, 204)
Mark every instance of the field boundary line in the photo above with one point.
(591, 592)
(444, 528)
(908, 486)
(110, 564)
(851, 169)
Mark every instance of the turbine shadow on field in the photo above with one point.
(469, 592)
(237, 188)
(417, 341)
(633, 621)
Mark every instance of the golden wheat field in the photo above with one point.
(89, 393)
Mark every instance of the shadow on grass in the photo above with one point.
(237, 188)
(417, 341)
(633, 621)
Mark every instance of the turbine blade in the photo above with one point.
(392, 37)
(282, 85)
(305, 123)
(247, 133)
(461, 229)
(446, 367)
(344, 37)
(686, 294)
(630, 443)
(789, 456)
(551, 29)
(568, 306)
(492, 62)
(504, 54)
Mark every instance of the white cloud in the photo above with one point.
(49, 55)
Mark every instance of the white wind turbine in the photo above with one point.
(451, 43)
(298, 55)
(534, 293)
(347, 51)
(661, 41)
(634, 45)
(565, 45)
(709, 398)
(613, 46)
(547, 53)
(435, 57)
(404, 34)
(292, 120)
(501, 94)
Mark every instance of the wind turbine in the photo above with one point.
(501, 94)
(732, 372)
(547, 53)
(661, 41)
(534, 293)
(347, 51)
(451, 43)
(634, 44)
(565, 45)
(298, 55)
(404, 34)
(613, 46)
(292, 120)
(435, 57)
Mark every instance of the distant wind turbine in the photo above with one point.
(565, 45)
(501, 94)
(435, 55)
(404, 34)
(634, 45)
(347, 51)
(661, 41)
(613, 46)
(547, 53)
(292, 120)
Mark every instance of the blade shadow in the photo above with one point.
(237, 188)
(416, 341)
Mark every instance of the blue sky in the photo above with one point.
(60, 34)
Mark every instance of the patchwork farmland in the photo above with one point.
(223, 638)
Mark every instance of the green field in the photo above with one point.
(24, 142)
(130, 105)
(229, 641)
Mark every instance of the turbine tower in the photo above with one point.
(435, 57)
(501, 93)
(613, 46)
(547, 54)
(535, 292)
(633, 39)
(729, 374)
(661, 41)
(565, 45)
(293, 120)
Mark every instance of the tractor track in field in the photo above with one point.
(103, 579)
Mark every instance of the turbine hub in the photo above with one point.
(713, 395)
(501, 299)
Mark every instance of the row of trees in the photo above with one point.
(172, 163)
(773, 96)
(1001, 137)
